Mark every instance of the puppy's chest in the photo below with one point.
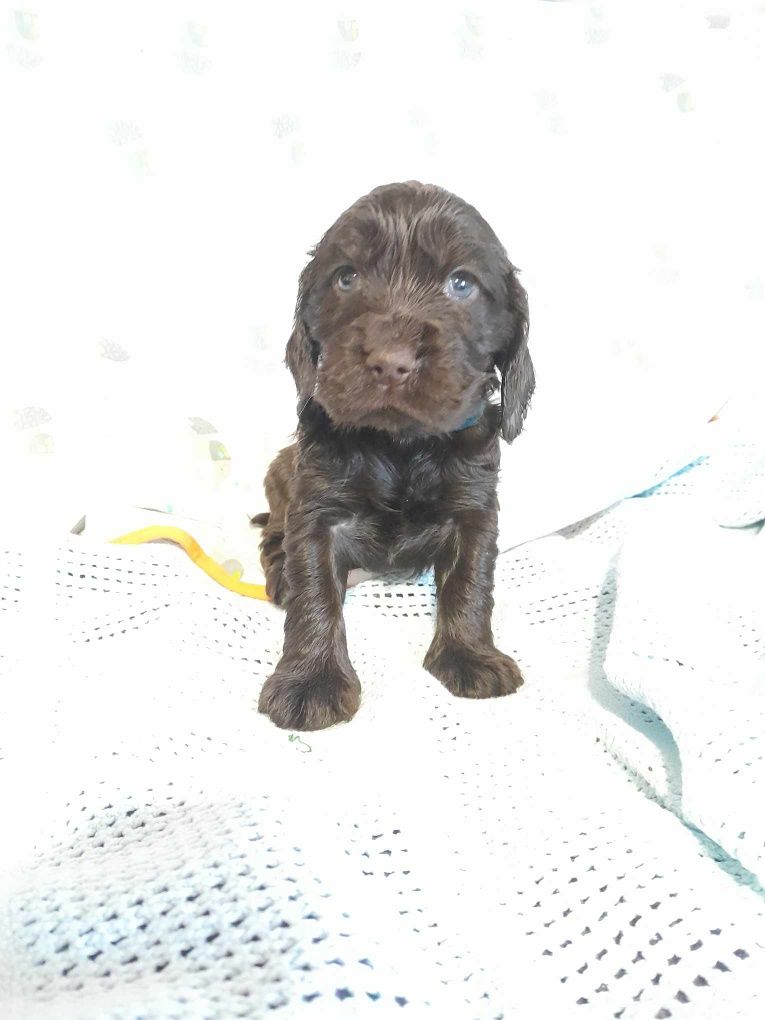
(404, 495)
(398, 513)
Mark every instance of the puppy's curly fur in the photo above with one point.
(409, 317)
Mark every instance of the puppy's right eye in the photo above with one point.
(346, 278)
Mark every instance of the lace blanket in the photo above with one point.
(591, 846)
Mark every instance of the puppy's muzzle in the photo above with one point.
(391, 348)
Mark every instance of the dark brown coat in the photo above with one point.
(409, 317)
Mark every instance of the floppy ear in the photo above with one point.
(301, 355)
(516, 369)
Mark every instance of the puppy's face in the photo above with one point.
(407, 312)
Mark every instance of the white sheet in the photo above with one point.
(165, 169)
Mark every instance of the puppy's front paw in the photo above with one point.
(305, 696)
(473, 672)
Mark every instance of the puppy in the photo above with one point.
(409, 317)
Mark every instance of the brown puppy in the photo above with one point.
(409, 316)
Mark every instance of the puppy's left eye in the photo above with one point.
(460, 286)
(346, 278)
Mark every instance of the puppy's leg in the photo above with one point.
(462, 654)
(314, 684)
(272, 559)
(278, 483)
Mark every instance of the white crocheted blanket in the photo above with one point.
(592, 846)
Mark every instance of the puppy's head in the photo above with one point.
(409, 315)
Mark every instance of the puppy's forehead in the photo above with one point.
(422, 230)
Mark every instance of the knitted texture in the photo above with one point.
(588, 847)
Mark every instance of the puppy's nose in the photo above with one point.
(391, 366)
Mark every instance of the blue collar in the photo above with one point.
(472, 420)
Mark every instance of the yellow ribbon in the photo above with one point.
(192, 548)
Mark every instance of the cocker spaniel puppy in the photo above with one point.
(409, 319)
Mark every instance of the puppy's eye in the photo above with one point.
(460, 286)
(346, 278)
